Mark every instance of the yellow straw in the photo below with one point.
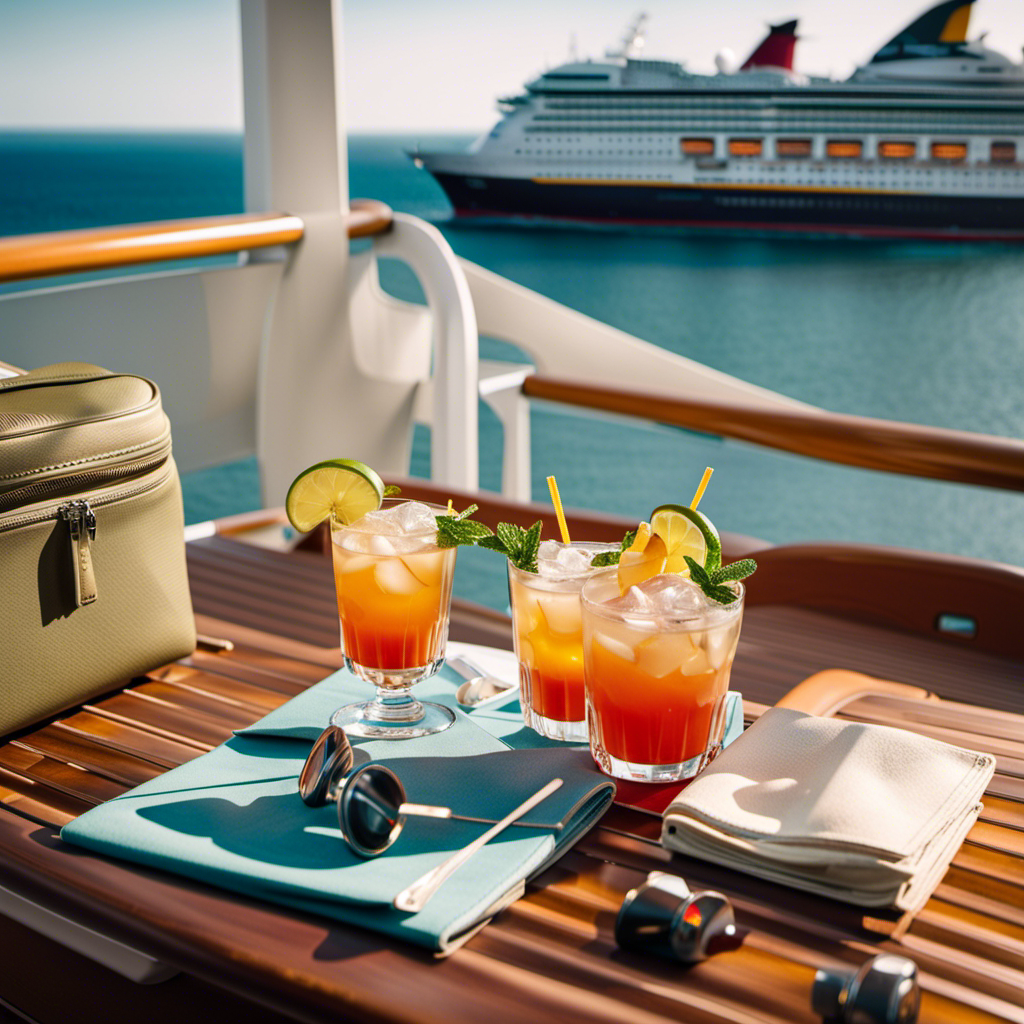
(557, 502)
(700, 488)
(451, 507)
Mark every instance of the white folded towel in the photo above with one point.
(862, 813)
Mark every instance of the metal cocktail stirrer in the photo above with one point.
(371, 800)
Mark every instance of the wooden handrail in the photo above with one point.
(884, 445)
(368, 217)
(77, 252)
(24, 257)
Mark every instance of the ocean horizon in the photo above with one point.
(929, 333)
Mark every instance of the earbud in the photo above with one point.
(662, 916)
(884, 990)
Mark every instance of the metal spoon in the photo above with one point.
(480, 686)
(415, 897)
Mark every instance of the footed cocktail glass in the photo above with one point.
(547, 625)
(394, 587)
(657, 663)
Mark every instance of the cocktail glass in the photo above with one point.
(657, 663)
(547, 625)
(394, 587)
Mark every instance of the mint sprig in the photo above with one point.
(519, 546)
(612, 557)
(459, 530)
(713, 583)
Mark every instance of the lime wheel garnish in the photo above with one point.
(686, 531)
(340, 488)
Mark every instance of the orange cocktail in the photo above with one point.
(547, 626)
(657, 662)
(394, 589)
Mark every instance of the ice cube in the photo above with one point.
(354, 563)
(614, 646)
(674, 596)
(414, 543)
(379, 521)
(412, 517)
(548, 551)
(353, 540)
(574, 560)
(635, 601)
(378, 544)
(428, 568)
(555, 559)
(562, 612)
(719, 644)
(659, 655)
(695, 661)
(393, 577)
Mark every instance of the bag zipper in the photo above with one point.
(82, 522)
(86, 480)
(81, 519)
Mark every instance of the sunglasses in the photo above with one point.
(371, 801)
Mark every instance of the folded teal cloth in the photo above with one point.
(234, 818)
(305, 716)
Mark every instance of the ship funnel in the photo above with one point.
(776, 51)
(937, 31)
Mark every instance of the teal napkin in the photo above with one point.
(505, 720)
(233, 818)
(305, 716)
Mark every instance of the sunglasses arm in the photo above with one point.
(429, 811)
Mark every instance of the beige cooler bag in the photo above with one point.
(92, 553)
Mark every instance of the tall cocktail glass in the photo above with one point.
(394, 587)
(547, 626)
(657, 663)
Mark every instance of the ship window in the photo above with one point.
(949, 151)
(697, 147)
(793, 148)
(1003, 152)
(897, 150)
(745, 147)
(844, 149)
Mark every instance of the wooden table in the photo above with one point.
(551, 956)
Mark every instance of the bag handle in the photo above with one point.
(88, 374)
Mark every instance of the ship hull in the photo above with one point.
(764, 208)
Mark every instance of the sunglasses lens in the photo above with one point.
(368, 810)
(330, 760)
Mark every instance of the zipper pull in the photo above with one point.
(82, 523)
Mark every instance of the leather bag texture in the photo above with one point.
(92, 553)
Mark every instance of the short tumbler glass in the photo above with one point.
(393, 609)
(655, 685)
(547, 627)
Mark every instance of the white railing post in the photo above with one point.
(501, 387)
(454, 447)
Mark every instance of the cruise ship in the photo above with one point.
(925, 140)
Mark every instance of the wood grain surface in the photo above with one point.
(551, 956)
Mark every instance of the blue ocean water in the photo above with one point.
(926, 333)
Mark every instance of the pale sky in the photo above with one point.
(409, 64)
